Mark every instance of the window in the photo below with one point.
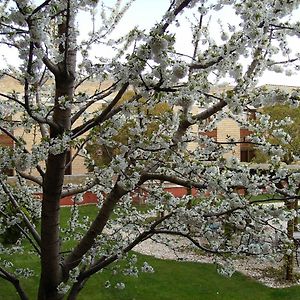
(247, 154)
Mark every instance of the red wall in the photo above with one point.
(5, 140)
(138, 197)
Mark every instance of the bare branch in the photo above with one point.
(37, 118)
(187, 236)
(16, 283)
(39, 8)
(13, 99)
(283, 27)
(282, 62)
(172, 179)
(176, 11)
(24, 233)
(96, 97)
(77, 153)
(105, 261)
(209, 64)
(210, 111)
(30, 177)
(50, 65)
(81, 81)
(78, 190)
(95, 229)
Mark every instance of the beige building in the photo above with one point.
(226, 129)
(33, 137)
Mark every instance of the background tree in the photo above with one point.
(102, 155)
(286, 122)
(54, 63)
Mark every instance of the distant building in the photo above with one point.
(225, 129)
(8, 85)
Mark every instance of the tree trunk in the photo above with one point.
(289, 258)
(51, 270)
(296, 218)
(51, 274)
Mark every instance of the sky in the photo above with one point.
(146, 13)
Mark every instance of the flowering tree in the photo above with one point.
(56, 60)
(278, 113)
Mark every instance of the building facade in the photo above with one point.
(225, 129)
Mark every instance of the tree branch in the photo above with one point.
(39, 169)
(30, 177)
(25, 234)
(98, 96)
(16, 283)
(77, 190)
(176, 11)
(13, 99)
(96, 121)
(187, 236)
(38, 8)
(53, 68)
(172, 179)
(210, 111)
(37, 118)
(14, 202)
(105, 261)
(95, 229)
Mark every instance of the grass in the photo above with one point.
(187, 281)
(172, 280)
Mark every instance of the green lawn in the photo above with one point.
(187, 281)
(172, 280)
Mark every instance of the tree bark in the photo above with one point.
(50, 242)
(76, 288)
(51, 270)
(51, 274)
(289, 258)
(96, 228)
(296, 207)
(15, 282)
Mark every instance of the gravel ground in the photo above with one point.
(261, 271)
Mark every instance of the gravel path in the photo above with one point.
(260, 271)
